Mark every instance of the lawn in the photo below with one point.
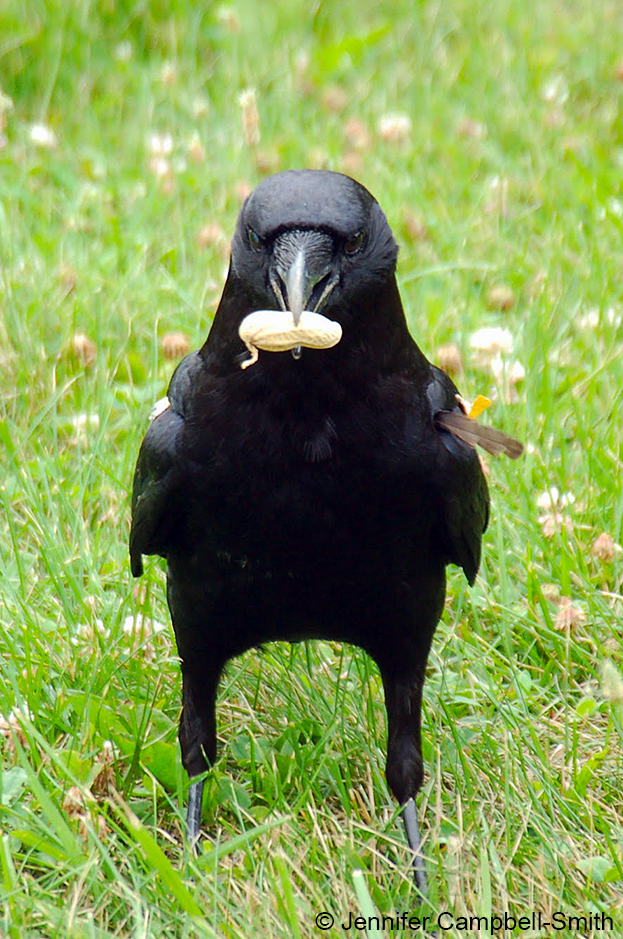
(491, 134)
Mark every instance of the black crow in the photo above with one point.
(318, 493)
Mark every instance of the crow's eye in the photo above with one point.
(355, 243)
(254, 239)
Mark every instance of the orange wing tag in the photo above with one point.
(480, 404)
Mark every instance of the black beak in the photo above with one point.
(301, 273)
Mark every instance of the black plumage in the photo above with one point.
(319, 494)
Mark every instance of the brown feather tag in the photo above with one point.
(471, 432)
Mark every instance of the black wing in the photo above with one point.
(463, 495)
(158, 490)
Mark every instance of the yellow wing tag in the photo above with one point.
(480, 404)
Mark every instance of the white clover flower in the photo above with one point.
(612, 317)
(175, 345)
(589, 320)
(491, 341)
(553, 498)
(160, 167)
(395, 128)
(11, 728)
(556, 90)
(546, 500)
(195, 148)
(87, 632)
(83, 348)
(250, 116)
(513, 372)
(552, 522)
(228, 17)
(611, 682)
(123, 51)
(605, 547)
(43, 136)
(568, 616)
(161, 145)
(16, 716)
(200, 106)
(138, 625)
(81, 421)
(140, 630)
(168, 73)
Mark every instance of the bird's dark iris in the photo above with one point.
(254, 239)
(355, 243)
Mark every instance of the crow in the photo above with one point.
(321, 492)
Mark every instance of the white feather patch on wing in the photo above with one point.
(159, 408)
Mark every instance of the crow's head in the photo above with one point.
(312, 240)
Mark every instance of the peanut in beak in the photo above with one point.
(274, 331)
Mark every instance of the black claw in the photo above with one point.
(193, 813)
(412, 829)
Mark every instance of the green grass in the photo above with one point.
(513, 165)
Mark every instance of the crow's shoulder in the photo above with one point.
(158, 488)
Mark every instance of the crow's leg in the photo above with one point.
(412, 830)
(197, 733)
(403, 700)
(193, 813)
